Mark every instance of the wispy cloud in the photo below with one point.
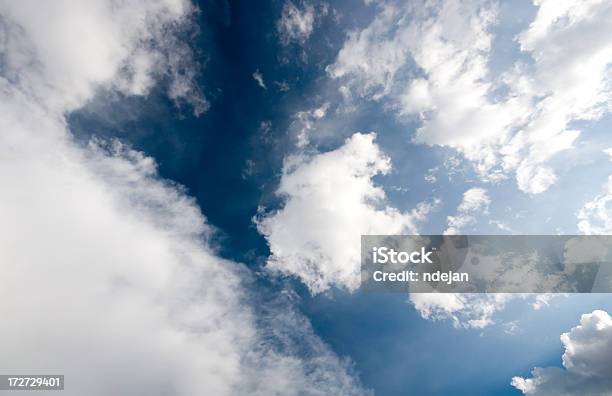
(474, 202)
(258, 76)
(296, 24)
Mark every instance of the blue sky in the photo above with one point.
(215, 163)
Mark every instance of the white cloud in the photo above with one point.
(475, 201)
(587, 362)
(106, 268)
(257, 76)
(330, 201)
(283, 86)
(296, 24)
(432, 61)
(595, 217)
(304, 123)
(369, 58)
(61, 52)
(463, 310)
(511, 328)
(472, 311)
(430, 176)
(502, 226)
(543, 300)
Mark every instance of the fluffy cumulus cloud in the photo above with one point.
(587, 362)
(474, 202)
(107, 272)
(330, 201)
(432, 61)
(296, 22)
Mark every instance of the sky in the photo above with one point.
(185, 184)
